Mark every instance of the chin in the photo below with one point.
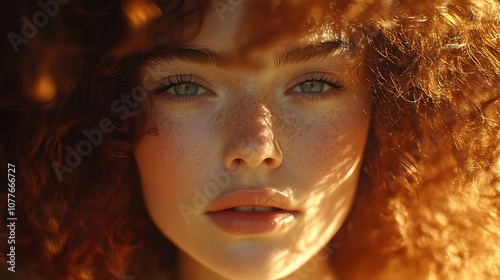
(254, 272)
(255, 267)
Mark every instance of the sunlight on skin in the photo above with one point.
(251, 125)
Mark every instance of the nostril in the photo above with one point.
(236, 163)
(271, 162)
(233, 164)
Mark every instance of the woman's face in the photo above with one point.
(255, 165)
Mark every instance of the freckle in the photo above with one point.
(218, 117)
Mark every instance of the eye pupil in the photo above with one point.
(186, 89)
(312, 86)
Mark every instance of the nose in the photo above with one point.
(253, 144)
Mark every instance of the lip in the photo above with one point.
(221, 212)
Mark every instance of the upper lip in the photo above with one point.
(252, 196)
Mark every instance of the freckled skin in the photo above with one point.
(253, 129)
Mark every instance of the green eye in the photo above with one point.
(186, 89)
(312, 86)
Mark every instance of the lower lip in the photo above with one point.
(251, 223)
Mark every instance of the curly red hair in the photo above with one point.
(427, 205)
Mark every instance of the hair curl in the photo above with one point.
(427, 206)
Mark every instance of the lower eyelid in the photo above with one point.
(318, 96)
(182, 99)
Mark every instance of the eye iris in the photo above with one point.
(312, 86)
(186, 89)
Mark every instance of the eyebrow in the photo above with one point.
(312, 52)
(292, 55)
(199, 56)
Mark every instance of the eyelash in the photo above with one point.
(163, 87)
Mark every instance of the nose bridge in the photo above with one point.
(256, 120)
(255, 128)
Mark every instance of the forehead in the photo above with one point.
(256, 33)
(257, 24)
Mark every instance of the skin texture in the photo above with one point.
(250, 126)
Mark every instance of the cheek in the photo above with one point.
(180, 146)
(154, 158)
(324, 154)
(166, 163)
(327, 143)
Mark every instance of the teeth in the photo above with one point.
(253, 209)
